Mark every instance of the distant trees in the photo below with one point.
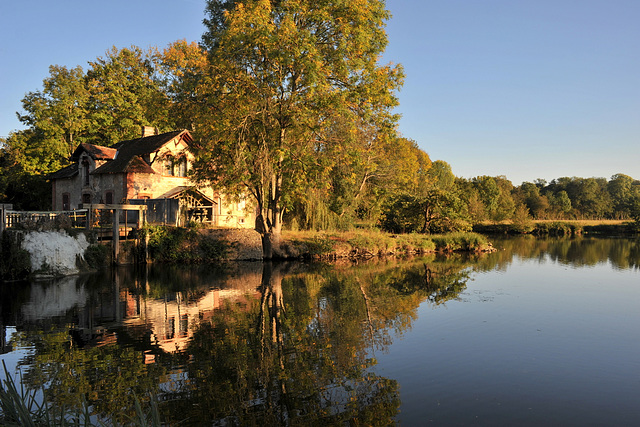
(495, 199)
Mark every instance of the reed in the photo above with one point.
(22, 407)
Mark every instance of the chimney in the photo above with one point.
(149, 131)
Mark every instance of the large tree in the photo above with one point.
(119, 93)
(281, 74)
(125, 93)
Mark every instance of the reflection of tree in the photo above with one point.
(295, 347)
(104, 377)
(575, 251)
(299, 352)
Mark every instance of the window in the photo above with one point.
(108, 197)
(175, 167)
(65, 202)
(86, 198)
(168, 166)
(182, 167)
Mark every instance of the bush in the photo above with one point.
(97, 256)
(183, 245)
(416, 243)
(460, 242)
(15, 262)
(558, 228)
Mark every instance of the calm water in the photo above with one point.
(541, 332)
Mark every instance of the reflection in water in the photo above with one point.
(249, 343)
(622, 253)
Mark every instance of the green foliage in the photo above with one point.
(125, 94)
(436, 211)
(521, 221)
(402, 214)
(557, 228)
(107, 104)
(318, 246)
(371, 243)
(292, 83)
(97, 256)
(15, 262)
(460, 242)
(183, 245)
(416, 243)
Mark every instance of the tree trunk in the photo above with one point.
(271, 245)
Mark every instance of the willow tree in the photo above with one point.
(280, 74)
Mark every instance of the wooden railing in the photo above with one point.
(107, 220)
(14, 219)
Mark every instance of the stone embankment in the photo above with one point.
(61, 253)
(243, 244)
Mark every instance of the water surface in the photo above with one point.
(544, 331)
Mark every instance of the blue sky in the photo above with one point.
(526, 89)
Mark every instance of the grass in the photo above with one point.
(369, 243)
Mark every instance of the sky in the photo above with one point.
(526, 89)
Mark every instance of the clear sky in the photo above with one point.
(522, 88)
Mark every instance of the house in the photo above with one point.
(150, 170)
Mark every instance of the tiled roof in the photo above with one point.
(129, 156)
(66, 172)
(96, 152)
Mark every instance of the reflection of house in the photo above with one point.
(172, 320)
(150, 170)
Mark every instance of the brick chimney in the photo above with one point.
(149, 131)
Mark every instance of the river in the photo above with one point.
(543, 331)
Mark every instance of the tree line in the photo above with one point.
(288, 103)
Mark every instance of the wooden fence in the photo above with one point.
(14, 219)
(103, 219)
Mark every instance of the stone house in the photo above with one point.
(149, 170)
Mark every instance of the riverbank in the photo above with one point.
(195, 246)
(372, 243)
(561, 228)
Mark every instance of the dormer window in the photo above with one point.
(175, 167)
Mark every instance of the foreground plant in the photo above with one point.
(23, 407)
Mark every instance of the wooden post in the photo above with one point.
(116, 235)
(142, 220)
(88, 218)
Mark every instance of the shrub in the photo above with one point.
(183, 245)
(460, 242)
(15, 262)
(318, 246)
(97, 256)
(558, 228)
